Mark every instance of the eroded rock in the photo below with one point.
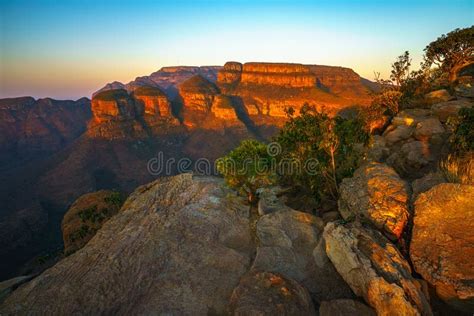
(442, 245)
(376, 193)
(375, 270)
(287, 242)
(265, 293)
(179, 246)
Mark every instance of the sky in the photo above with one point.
(69, 49)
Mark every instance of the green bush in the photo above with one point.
(326, 144)
(247, 168)
(463, 135)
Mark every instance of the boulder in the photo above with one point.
(429, 130)
(179, 245)
(287, 242)
(265, 293)
(410, 117)
(442, 244)
(378, 150)
(395, 134)
(268, 202)
(344, 307)
(8, 286)
(445, 110)
(374, 269)
(437, 96)
(412, 158)
(376, 193)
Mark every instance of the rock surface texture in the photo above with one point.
(179, 246)
(265, 293)
(344, 308)
(287, 242)
(375, 270)
(442, 245)
(376, 193)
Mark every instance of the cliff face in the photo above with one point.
(270, 88)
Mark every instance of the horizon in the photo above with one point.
(69, 51)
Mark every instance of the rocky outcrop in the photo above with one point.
(376, 193)
(265, 293)
(112, 105)
(180, 245)
(442, 242)
(375, 270)
(152, 102)
(287, 242)
(86, 216)
(345, 307)
(223, 109)
(437, 96)
(450, 109)
(197, 94)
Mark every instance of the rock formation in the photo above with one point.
(442, 245)
(265, 293)
(376, 193)
(375, 270)
(179, 245)
(86, 216)
(345, 307)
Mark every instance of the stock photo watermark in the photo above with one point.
(272, 163)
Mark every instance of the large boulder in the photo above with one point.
(426, 182)
(179, 245)
(450, 109)
(413, 159)
(437, 96)
(344, 307)
(265, 293)
(442, 245)
(375, 270)
(269, 202)
(287, 242)
(395, 134)
(429, 130)
(376, 193)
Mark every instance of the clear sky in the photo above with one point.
(68, 49)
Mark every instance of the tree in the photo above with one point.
(401, 69)
(328, 143)
(451, 52)
(247, 168)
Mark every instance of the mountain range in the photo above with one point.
(52, 152)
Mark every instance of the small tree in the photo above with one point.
(247, 168)
(451, 52)
(401, 69)
(328, 142)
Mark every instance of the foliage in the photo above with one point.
(452, 51)
(247, 168)
(329, 142)
(115, 198)
(463, 136)
(111, 95)
(401, 69)
(92, 214)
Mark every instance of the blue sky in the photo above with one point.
(68, 49)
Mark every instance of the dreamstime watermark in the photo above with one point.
(159, 166)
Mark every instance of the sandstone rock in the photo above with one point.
(410, 117)
(112, 104)
(397, 134)
(344, 308)
(86, 216)
(442, 245)
(445, 110)
(412, 158)
(230, 73)
(437, 96)
(287, 240)
(426, 182)
(428, 129)
(265, 293)
(376, 193)
(223, 108)
(179, 246)
(289, 75)
(268, 202)
(152, 101)
(197, 93)
(375, 270)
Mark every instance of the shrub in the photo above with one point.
(459, 168)
(327, 144)
(247, 168)
(463, 136)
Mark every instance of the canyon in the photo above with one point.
(54, 151)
